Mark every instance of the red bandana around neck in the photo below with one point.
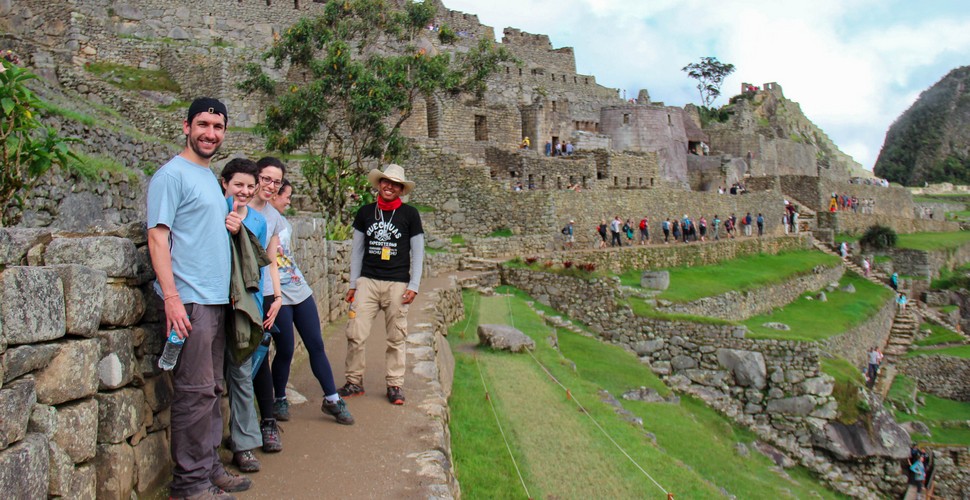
(389, 205)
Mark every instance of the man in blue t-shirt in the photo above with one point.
(385, 273)
(189, 244)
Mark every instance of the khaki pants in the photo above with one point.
(371, 297)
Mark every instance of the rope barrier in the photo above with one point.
(570, 396)
(491, 405)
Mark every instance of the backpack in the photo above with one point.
(565, 230)
(643, 224)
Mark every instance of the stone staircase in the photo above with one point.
(478, 264)
(874, 276)
(901, 336)
(807, 221)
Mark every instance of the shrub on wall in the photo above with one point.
(879, 238)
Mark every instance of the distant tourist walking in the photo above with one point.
(761, 225)
(644, 231)
(894, 281)
(567, 235)
(844, 250)
(665, 226)
(601, 229)
(866, 266)
(615, 228)
(901, 302)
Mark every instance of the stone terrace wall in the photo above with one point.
(693, 254)
(84, 409)
(953, 471)
(855, 343)
(805, 190)
(939, 375)
(855, 223)
(928, 264)
(739, 306)
(893, 201)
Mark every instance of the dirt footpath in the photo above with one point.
(370, 459)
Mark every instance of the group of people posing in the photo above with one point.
(215, 242)
(685, 229)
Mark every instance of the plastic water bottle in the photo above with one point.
(170, 355)
(351, 313)
(261, 351)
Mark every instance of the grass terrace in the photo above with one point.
(946, 418)
(933, 241)
(746, 273)
(961, 351)
(686, 447)
(812, 320)
(939, 335)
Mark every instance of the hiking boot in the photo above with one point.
(281, 410)
(395, 395)
(350, 390)
(212, 493)
(338, 410)
(246, 461)
(271, 436)
(229, 482)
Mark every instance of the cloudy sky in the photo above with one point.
(853, 65)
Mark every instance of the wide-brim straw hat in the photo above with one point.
(392, 172)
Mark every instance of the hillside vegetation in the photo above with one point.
(930, 142)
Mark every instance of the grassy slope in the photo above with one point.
(811, 320)
(940, 335)
(962, 351)
(695, 456)
(933, 241)
(745, 273)
(945, 418)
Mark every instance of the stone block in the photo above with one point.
(159, 392)
(151, 462)
(70, 374)
(645, 347)
(43, 420)
(655, 280)
(683, 362)
(115, 466)
(115, 256)
(123, 305)
(818, 386)
(798, 406)
(153, 339)
(17, 399)
(15, 242)
(119, 414)
(117, 365)
(84, 292)
(31, 305)
(503, 337)
(84, 482)
(61, 470)
(748, 367)
(25, 359)
(24, 468)
(77, 429)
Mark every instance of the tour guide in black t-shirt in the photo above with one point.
(385, 272)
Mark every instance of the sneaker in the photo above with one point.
(213, 493)
(271, 436)
(350, 390)
(246, 461)
(339, 411)
(281, 410)
(395, 395)
(229, 482)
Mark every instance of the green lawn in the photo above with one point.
(561, 452)
(945, 418)
(746, 273)
(940, 335)
(933, 241)
(962, 351)
(811, 320)
(847, 238)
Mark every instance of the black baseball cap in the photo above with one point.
(208, 105)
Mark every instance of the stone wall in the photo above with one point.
(676, 255)
(650, 128)
(928, 264)
(84, 409)
(952, 471)
(739, 306)
(855, 343)
(939, 375)
(855, 223)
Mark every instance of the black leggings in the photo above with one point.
(307, 320)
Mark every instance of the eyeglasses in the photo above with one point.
(271, 181)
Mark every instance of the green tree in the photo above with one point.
(28, 148)
(363, 64)
(710, 74)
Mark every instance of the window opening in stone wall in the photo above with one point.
(543, 183)
(296, 4)
(627, 182)
(597, 126)
(575, 80)
(481, 128)
(651, 181)
(626, 118)
(616, 181)
(572, 180)
(520, 71)
(558, 182)
(669, 121)
(553, 105)
(584, 182)
(586, 81)
(431, 106)
(553, 75)
(564, 78)
(640, 181)
(507, 70)
(531, 180)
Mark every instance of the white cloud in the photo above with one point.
(853, 65)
